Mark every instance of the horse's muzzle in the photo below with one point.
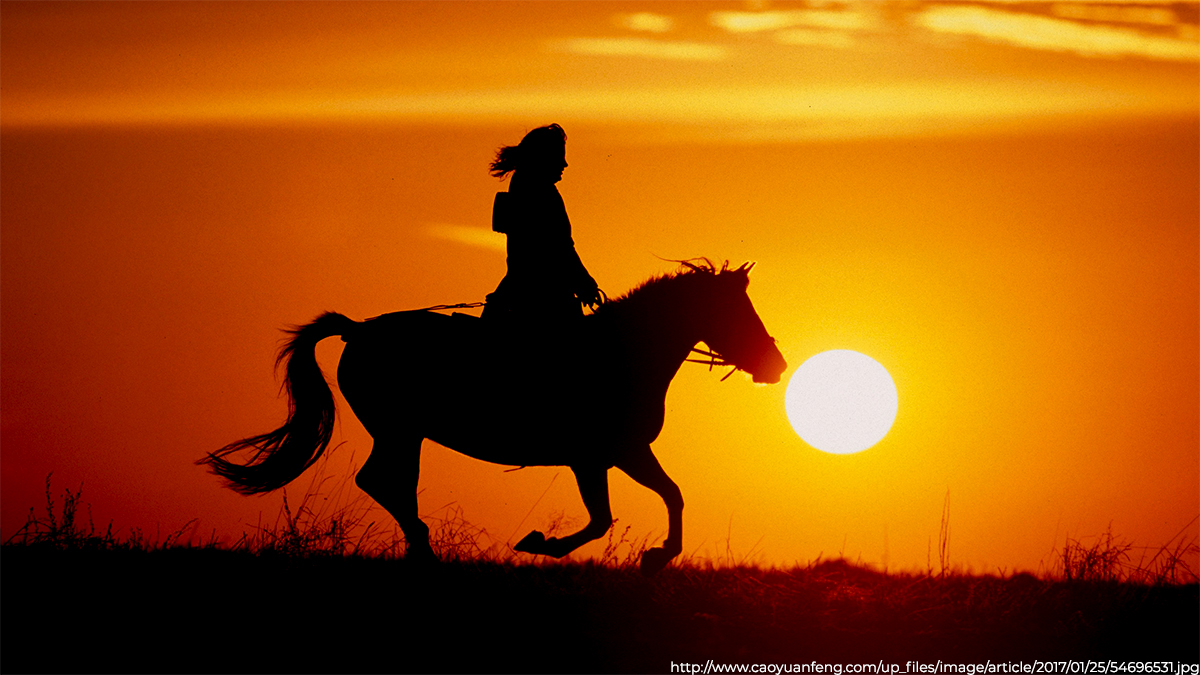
(770, 367)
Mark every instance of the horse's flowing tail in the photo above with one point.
(280, 456)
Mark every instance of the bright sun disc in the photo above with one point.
(841, 401)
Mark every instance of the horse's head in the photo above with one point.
(731, 328)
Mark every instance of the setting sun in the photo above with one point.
(841, 401)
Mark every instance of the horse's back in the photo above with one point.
(419, 344)
(420, 325)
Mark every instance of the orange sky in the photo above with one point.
(998, 202)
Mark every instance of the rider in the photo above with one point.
(546, 280)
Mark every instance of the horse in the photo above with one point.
(589, 396)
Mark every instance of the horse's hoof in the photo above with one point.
(534, 542)
(423, 556)
(654, 560)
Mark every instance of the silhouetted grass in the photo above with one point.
(324, 590)
(61, 528)
(1111, 559)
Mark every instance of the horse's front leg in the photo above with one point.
(593, 487)
(643, 467)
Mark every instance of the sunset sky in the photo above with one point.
(998, 201)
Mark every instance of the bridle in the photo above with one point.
(715, 360)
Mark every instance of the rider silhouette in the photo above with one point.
(546, 281)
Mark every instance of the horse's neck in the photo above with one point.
(663, 338)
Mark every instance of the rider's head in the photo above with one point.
(541, 155)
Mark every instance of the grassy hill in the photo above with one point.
(210, 610)
(74, 600)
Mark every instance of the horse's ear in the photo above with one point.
(744, 272)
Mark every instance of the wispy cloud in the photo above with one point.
(645, 48)
(468, 235)
(1032, 31)
(807, 27)
(784, 112)
(747, 80)
(1151, 16)
(753, 22)
(648, 22)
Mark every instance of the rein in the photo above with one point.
(715, 360)
(461, 305)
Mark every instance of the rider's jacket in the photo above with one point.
(544, 271)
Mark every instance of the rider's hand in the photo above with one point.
(592, 297)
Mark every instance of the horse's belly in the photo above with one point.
(516, 442)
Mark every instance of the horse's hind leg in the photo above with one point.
(390, 476)
(593, 487)
(643, 467)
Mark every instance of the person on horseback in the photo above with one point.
(546, 281)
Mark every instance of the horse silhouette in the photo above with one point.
(590, 396)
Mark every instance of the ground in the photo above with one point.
(210, 610)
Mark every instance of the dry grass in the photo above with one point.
(61, 527)
(1109, 558)
(326, 568)
(334, 519)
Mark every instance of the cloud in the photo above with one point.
(1152, 16)
(753, 22)
(724, 86)
(807, 27)
(1040, 32)
(468, 235)
(648, 22)
(645, 48)
(789, 112)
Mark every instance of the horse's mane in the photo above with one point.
(660, 284)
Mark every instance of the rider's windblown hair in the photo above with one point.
(542, 142)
